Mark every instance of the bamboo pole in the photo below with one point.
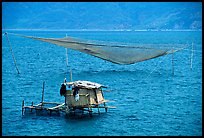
(22, 107)
(12, 52)
(50, 112)
(56, 107)
(51, 103)
(106, 109)
(172, 62)
(43, 93)
(90, 111)
(67, 57)
(70, 75)
(191, 61)
(31, 106)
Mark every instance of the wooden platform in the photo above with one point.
(60, 107)
(91, 96)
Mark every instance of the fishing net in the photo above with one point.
(116, 53)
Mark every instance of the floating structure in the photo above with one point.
(79, 95)
(84, 95)
(43, 106)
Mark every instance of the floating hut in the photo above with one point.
(83, 95)
(79, 95)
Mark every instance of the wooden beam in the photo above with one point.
(103, 107)
(30, 107)
(103, 101)
(51, 103)
(107, 90)
(56, 107)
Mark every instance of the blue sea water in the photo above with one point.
(149, 100)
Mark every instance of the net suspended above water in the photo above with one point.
(116, 53)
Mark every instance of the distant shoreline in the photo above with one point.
(122, 30)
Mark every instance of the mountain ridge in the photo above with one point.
(102, 15)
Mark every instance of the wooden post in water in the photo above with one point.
(71, 75)
(82, 112)
(90, 112)
(98, 110)
(43, 93)
(172, 61)
(67, 60)
(22, 107)
(106, 109)
(31, 108)
(191, 56)
(68, 66)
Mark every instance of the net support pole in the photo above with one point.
(71, 75)
(43, 93)
(66, 54)
(67, 57)
(67, 64)
(12, 53)
(191, 59)
(172, 63)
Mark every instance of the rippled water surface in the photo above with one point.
(149, 100)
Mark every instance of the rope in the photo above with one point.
(67, 57)
(66, 74)
(68, 66)
(189, 48)
(12, 52)
(154, 68)
(163, 60)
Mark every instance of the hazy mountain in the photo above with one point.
(102, 15)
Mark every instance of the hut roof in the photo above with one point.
(86, 84)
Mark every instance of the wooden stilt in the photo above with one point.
(106, 109)
(65, 99)
(90, 111)
(31, 109)
(82, 112)
(43, 93)
(98, 110)
(73, 110)
(22, 107)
